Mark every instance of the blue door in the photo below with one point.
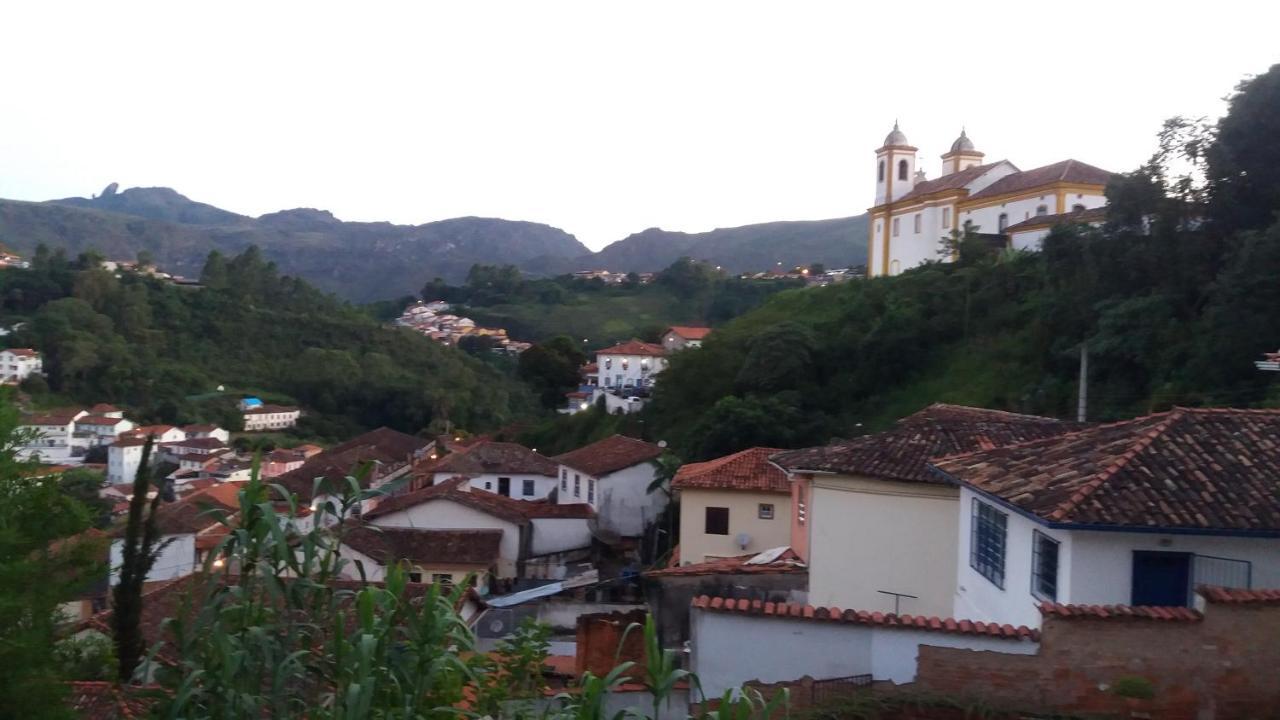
(1161, 578)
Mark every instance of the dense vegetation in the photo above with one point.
(164, 351)
(1174, 298)
(599, 314)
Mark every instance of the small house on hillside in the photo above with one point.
(447, 557)
(730, 506)
(18, 364)
(680, 337)
(632, 364)
(504, 468)
(613, 476)
(191, 529)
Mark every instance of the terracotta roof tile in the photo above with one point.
(103, 409)
(1092, 215)
(100, 420)
(492, 457)
(689, 332)
(954, 181)
(1201, 469)
(940, 430)
(24, 352)
(423, 546)
(384, 445)
(744, 470)
(609, 455)
(1239, 596)
(456, 490)
(862, 617)
(197, 511)
(1118, 612)
(634, 347)
(1070, 171)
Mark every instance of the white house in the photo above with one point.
(1131, 513)
(162, 433)
(912, 214)
(206, 430)
(613, 476)
(447, 557)
(737, 504)
(632, 364)
(53, 429)
(123, 458)
(1029, 234)
(679, 337)
(191, 529)
(270, 417)
(874, 523)
(529, 529)
(18, 364)
(106, 410)
(508, 469)
(94, 430)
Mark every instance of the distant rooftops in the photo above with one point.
(489, 457)
(610, 455)
(748, 469)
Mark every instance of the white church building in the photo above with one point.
(912, 214)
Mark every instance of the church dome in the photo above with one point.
(962, 143)
(896, 137)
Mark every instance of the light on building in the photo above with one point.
(218, 563)
(583, 406)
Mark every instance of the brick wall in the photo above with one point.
(1226, 665)
(601, 646)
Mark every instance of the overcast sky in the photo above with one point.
(597, 117)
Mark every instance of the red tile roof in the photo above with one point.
(196, 511)
(103, 409)
(491, 457)
(207, 428)
(24, 352)
(1201, 469)
(384, 445)
(787, 562)
(53, 417)
(954, 181)
(1090, 216)
(457, 490)
(634, 347)
(100, 420)
(862, 617)
(744, 470)
(609, 455)
(107, 701)
(1118, 612)
(940, 430)
(421, 546)
(1239, 596)
(689, 332)
(1069, 171)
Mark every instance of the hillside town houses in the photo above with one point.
(18, 364)
(623, 375)
(434, 320)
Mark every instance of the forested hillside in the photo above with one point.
(163, 351)
(1174, 298)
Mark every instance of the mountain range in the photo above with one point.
(364, 261)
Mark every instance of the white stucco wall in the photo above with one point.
(623, 503)
(988, 218)
(744, 517)
(639, 370)
(1094, 567)
(122, 463)
(542, 485)
(448, 515)
(552, 535)
(870, 535)
(1028, 239)
(177, 559)
(720, 642)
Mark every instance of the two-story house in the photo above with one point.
(508, 469)
(875, 524)
(51, 430)
(1138, 513)
(95, 430)
(629, 365)
(613, 476)
(733, 505)
(270, 417)
(18, 364)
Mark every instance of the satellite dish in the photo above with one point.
(497, 626)
(743, 540)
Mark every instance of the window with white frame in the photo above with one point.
(987, 532)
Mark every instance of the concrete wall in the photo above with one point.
(744, 517)
(669, 597)
(448, 515)
(553, 535)
(869, 535)
(729, 650)
(623, 503)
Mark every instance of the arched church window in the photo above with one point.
(902, 169)
(1042, 210)
(1077, 208)
(1004, 221)
(880, 172)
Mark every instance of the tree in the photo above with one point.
(214, 274)
(687, 277)
(43, 562)
(141, 548)
(551, 369)
(1244, 159)
(83, 485)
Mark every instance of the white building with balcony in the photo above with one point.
(632, 364)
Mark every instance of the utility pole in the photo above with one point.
(1082, 402)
